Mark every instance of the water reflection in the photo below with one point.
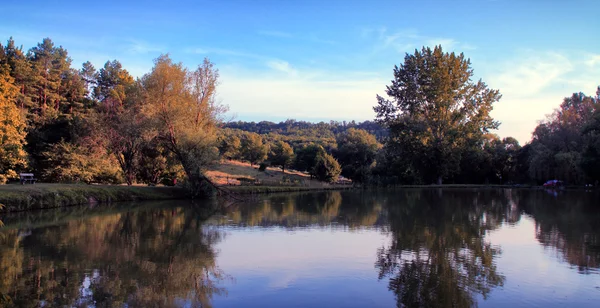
(158, 258)
(568, 224)
(438, 256)
(307, 210)
(436, 249)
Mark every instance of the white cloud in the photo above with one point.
(305, 94)
(530, 75)
(593, 60)
(282, 66)
(533, 84)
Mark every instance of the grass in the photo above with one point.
(230, 172)
(241, 178)
(17, 197)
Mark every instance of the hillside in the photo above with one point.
(238, 173)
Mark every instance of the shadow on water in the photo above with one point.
(163, 254)
(159, 257)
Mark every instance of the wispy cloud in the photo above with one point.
(592, 60)
(532, 84)
(141, 47)
(532, 74)
(406, 39)
(282, 66)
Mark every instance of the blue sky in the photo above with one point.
(322, 60)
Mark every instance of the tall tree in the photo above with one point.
(49, 65)
(182, 107)
(12, 129)
(434, 109)
(121, 121)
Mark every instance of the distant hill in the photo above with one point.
(321, 130)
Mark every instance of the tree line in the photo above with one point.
(91, 125)
(438, 129)
(86, 125)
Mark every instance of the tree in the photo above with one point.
(12, 129)
(563, 145)
(229, 145)
(356, 152)
(306, 156)
(281, 155)
(326, 168)
(435, 109)
(182, 107)
(253, 148)
(121, 121)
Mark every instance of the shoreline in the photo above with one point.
(17, 197)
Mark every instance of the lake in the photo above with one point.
(400, 248)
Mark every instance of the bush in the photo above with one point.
(263, 166)
(327, 169)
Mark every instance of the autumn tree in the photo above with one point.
(229, 144)
(434, 109)
(182, 107)
(12, 129)
(281, 155)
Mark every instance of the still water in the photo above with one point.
(404, 248)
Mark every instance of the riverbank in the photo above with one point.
(248, 190)
(41, 196)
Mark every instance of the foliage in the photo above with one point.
(229, 144)
(326, 168)
(356, 152)
(181, 107)
(434, 111)
(565, 144)
(281, 155)
(306, 157)
(71, 163)
(253, 149)
(12, 130)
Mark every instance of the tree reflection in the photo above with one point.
(158, 258)
(333, 208)
(569, 224)
(438, 256)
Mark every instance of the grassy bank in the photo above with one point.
(279, 189)
(39, 196)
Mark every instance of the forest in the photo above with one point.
(71, 124)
